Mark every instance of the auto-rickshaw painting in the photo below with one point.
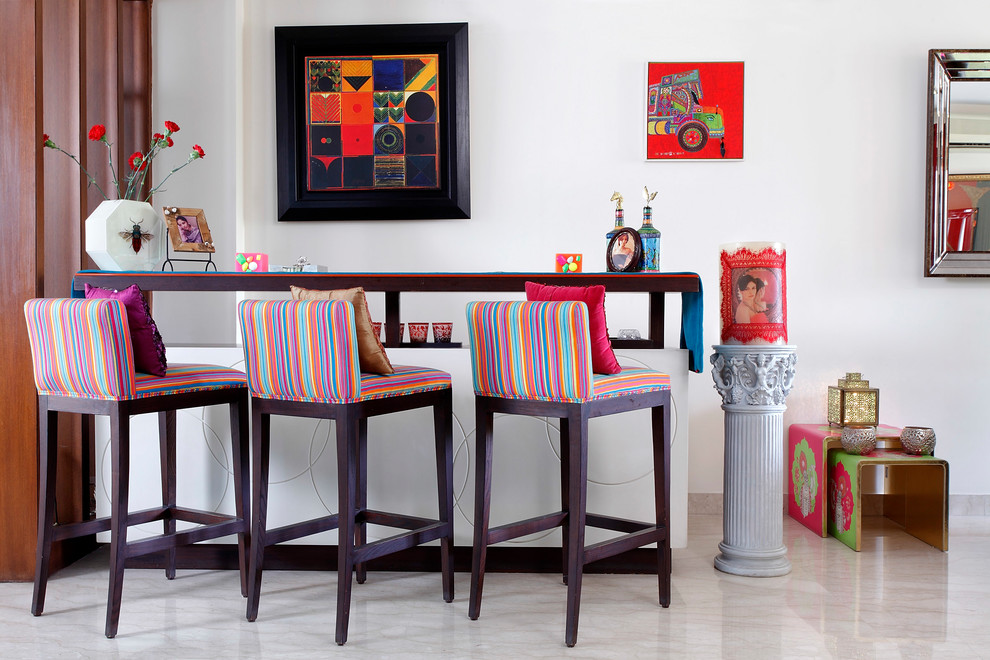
(694, 110)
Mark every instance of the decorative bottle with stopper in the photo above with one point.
(649, 236)
(617, 198)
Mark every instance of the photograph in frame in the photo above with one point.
(624, 252)
(187, 229)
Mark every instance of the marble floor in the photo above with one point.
(898, 598)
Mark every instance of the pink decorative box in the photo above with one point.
(251, 262)
(807, 467)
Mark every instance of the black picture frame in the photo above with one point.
(450, 199)
(633, 261)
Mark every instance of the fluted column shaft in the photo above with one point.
(754, 382)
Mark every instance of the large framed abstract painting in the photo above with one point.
(694, 111)
(372, 122)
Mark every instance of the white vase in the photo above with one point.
(116, 227)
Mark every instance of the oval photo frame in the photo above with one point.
(624, 252)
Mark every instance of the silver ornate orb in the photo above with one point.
(918, 440)
(858, 439)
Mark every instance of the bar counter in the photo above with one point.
(654, 285)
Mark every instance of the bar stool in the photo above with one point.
(83, 363)
(533, 358)
(302, 361)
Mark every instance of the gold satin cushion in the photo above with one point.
(371, 354)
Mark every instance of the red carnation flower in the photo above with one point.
(168, 140)
(44, 137)
(198, 151)
(171, 127)
(97, 132)
(137, 161)
(157, 136)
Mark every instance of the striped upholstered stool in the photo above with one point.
(533, 358)
(302, 361)
(83, 363)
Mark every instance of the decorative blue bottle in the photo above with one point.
(650, 237)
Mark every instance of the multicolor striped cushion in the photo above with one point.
(300, 350)
(530, 350)
(180, 378)
(630, 380)
(306, 350)
(405, 380)
(541, 350)
(80, 348)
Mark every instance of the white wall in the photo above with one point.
(834, 167)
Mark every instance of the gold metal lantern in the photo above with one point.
(853, 401)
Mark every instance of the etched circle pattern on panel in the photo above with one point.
(202, 457)
(525, 472)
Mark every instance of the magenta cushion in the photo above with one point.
(602, 358)
(149, 350)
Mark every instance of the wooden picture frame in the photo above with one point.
(185, 226)
(624, 251)
(372, 122)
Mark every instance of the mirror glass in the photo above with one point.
(957, 232)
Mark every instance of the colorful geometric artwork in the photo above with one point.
(373, 122)
(694, 110)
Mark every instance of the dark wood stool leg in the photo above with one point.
(361, 496)
(347, 441)
(120, 445)
(443, 428)
(47, 455)
(166, 442)
(577, 503)
(482, 501)
(241, 469)
(565, 481)
(260, 447)
(661, 485)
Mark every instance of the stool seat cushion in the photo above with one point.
(181, 378)
(628, 381)
(405, 380)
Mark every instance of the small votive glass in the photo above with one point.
(858, 439)
(441, 332)
(918, 440)
(417, 332)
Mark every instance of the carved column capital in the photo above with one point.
(748, 375)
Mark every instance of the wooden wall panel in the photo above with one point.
(20, 171)
(64, 64)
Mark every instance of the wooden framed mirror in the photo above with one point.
(957, 214)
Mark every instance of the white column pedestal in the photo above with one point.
(754, 381)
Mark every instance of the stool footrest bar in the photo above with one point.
(621, 544)
(300, 529)
(525, 527)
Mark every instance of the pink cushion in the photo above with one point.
(602, 358)
(149, 350)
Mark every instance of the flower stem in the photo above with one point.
(113, 173)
